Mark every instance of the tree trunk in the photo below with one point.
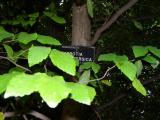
(81, 26)
(81, 36)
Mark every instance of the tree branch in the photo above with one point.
(33, 113)
(26, 69)
(113, 18)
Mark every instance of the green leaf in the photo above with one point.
(37, 54)
(22, 53)
(4, 80)
(90, 7)
(16, 69)
(33, 16)
(152, 60)
(107, 82)
(82, 93)
(139, 66)
(113, 57)
(121, 58)
(9, 51)
(25, 37)
(87, 65)
(55, 18)
(1, 116)
(77, 61)
(107, 57)
(64, 61)
(85, 77)
(139, 87)
(139, 51)
(47, 40)
(51, 89)
(95, 67)
(4, 34)
(128, 68)
(155, 51)
(138, 25)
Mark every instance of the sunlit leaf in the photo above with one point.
(139, 87)
(51, 89)
(37, 54)
(63, 61)
(82, 93)
(25, 37)
(47, 40)
(139, 51)
(4, 80)
(128, 68)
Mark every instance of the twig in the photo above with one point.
(113, 18)
(96, 112)
(21, 53)
(45, 67)
(33, 113)
(9, 41)
(9, 114)
(105, 74)
(38, 115)
(26, 69)
(25, 117)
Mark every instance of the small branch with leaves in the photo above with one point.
(101, 78)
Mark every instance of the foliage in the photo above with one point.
(57, 88)
(49, 69)
(54, 89)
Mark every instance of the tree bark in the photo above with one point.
(81, 26)
(81, 36)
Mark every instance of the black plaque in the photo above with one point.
(84, 54)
